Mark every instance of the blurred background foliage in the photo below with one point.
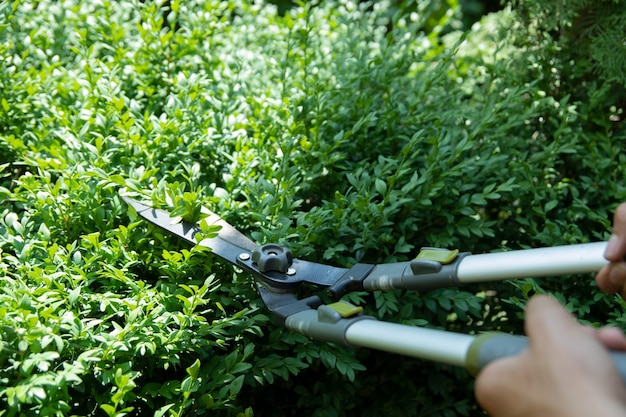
(350, 132)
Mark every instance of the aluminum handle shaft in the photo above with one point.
(435, 345)
(470, 352)
(530, 263)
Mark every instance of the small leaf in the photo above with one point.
(550, 205)
(161, 411)
(478, 199)
(73, 295)
(236, 385)
(194, 368)
(109, 409)
(381, 186)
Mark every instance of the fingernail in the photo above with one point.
(617, 275)
(612, 247)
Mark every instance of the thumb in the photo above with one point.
(547, 321)
(557, 340)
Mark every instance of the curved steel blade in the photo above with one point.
(228, 243)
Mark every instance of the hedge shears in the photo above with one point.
(279, 277)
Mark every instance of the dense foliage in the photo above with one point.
(348, 132)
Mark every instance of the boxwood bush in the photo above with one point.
(350, 132)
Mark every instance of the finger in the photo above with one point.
(493, 390)
(612, 338)
(612, 278)
(616, 247)
(538, 328)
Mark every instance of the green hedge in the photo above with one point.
(348, 132)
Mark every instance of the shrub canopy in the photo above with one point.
(348, 132)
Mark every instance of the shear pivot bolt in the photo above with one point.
(272, 257)
(244, 256)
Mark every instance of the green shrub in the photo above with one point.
(349, 132)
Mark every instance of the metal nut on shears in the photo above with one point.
(272, 257)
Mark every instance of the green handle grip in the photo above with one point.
(488, 347)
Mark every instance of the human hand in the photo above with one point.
(612, 277)
(566, 371)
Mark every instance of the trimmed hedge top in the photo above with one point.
(348, 132)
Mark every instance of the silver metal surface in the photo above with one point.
(530, 263)
(228, 243)
(436, 345)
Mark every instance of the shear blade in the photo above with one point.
(228, 244)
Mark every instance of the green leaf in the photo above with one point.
(161, 411)
(478, 200)
(109, 410)
(193, 370)
(381, 186)
(236, 385)
(550, 205)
